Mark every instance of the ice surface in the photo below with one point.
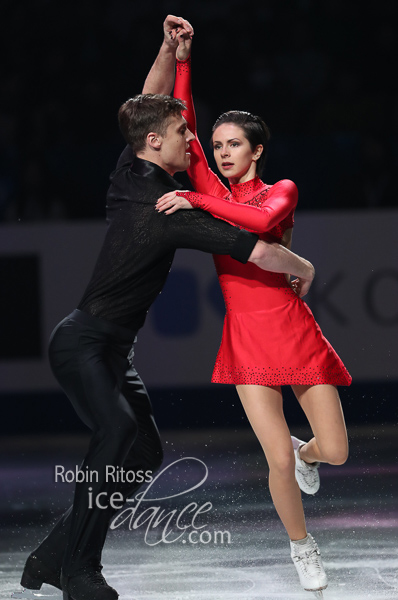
(354, 519)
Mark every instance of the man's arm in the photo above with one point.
(278, 259)
(198, 230)
(160, 79)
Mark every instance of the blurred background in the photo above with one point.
(321, 74)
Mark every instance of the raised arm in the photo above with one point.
(160, 79)
(202, 177)
(279, 202)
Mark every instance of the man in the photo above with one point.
(91, 349)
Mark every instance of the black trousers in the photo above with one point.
(92, 360)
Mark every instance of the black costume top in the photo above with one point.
(140, 242)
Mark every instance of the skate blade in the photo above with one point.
(35, 595)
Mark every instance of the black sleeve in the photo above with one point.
(126, 158)
(198, 230)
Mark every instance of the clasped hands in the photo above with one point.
(178, 33)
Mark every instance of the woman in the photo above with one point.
(270, 337)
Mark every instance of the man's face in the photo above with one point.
(174, 151)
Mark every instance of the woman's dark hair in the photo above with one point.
(254, 128)
(144, 113)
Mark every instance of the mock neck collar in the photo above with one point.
(247, 188)
(150, 170)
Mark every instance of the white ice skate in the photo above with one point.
(308, 563)
(307, 475)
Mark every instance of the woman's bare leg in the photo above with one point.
(264, 409)
(322, 407)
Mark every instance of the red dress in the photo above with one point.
(270, 336)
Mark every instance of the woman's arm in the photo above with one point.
(280, 202)
(202, 177)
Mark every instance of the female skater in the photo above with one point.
(270, 337)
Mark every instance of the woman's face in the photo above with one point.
(233, 154)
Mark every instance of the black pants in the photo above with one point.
(92, 360)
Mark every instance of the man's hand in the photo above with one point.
(177, 30)
(278, 259)
(170, 202)
(301, 286)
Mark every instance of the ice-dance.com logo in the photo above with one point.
(178, 525)
(182, 525)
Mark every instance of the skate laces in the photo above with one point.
(308, 471)
(308, 559)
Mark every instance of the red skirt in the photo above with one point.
(281, 345)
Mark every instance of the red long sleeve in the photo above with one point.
(202, 177)
(279, 201)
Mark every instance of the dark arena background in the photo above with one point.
(322, 75)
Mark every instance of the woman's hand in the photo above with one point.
(184, 44)
(170, 203)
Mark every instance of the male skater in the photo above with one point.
(91, 349)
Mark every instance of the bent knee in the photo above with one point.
(121, 430)
(128, 428)
(335, 456)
